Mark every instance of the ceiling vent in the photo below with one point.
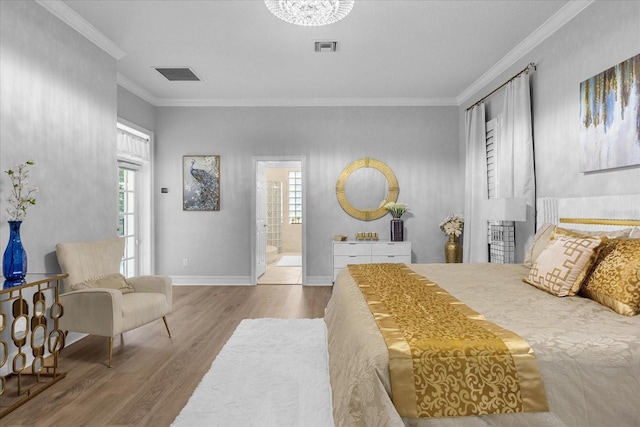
(324, 46)
(178, 74)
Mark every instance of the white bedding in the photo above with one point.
(588, 356)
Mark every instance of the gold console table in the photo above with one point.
(30, 341)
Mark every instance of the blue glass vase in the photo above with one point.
(14, 262)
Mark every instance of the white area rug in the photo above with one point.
(271, 372)
(290, 261)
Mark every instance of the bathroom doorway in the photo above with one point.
(281, 182)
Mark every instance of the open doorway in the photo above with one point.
(279, 202)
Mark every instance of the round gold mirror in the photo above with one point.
(364, 187)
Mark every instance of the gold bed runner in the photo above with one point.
(446, 360)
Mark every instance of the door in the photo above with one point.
(261, 218)
(128, 220)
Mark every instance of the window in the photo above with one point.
(295, 197)
(135, 221)
(127, 220)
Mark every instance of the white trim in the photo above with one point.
(303, 168)
(78, 23)
(212, 280)
(151, 182)
(238, 281)
(136, 89)
(308, 102)
(559, 19)
(550, 26)
(319, 281)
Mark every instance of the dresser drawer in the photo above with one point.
(352, 249)
(391, 249)
(340, 261)
(392, 259)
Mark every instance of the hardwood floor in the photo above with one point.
(153, 375)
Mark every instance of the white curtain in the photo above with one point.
(475, 225)
(132, 146)
(515, 175)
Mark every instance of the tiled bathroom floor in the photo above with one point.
(281, 275)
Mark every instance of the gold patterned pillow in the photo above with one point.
(112, 281)
(615, 280)
(563, 265)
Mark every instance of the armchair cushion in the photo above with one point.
(111, 281)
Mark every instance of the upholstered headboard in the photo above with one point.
(590, 213)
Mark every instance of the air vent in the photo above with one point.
(324, 46)
(178, 74)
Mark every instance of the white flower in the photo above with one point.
(396, 209)
(453, 225)
(21, 194)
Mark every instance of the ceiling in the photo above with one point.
(389, 52)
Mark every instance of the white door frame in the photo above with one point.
(146, 229)
(255, 160)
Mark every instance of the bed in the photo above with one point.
(588, 356)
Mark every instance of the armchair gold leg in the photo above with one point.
(166, 325)
(110, 349)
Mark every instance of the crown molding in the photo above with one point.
(136, 89)
(78, 23)
(550, 26)
(309, 102)
(560, 18)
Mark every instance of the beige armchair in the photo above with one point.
(120, 306)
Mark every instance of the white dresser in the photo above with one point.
(368, 252)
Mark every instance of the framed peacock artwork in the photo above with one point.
(201, 183)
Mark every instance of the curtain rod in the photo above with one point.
(527, 68)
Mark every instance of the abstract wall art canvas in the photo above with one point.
(610, 118)
(201, 183)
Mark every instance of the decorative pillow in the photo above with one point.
(540, 241)
(563, 265)
(111, 281)
(615, 280)
(611, 234)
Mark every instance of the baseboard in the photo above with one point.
(238, 281)
(212, 280)
(319, 281)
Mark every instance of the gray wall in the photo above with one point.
(58, 108)
(420, 144)
(601, 36)
(136, 110)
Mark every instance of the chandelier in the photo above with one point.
(310, 12)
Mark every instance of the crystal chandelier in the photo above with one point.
(310, 12)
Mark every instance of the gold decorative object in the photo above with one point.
(453, 250)
(360, 213)
(369, 235)
(30, 330)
